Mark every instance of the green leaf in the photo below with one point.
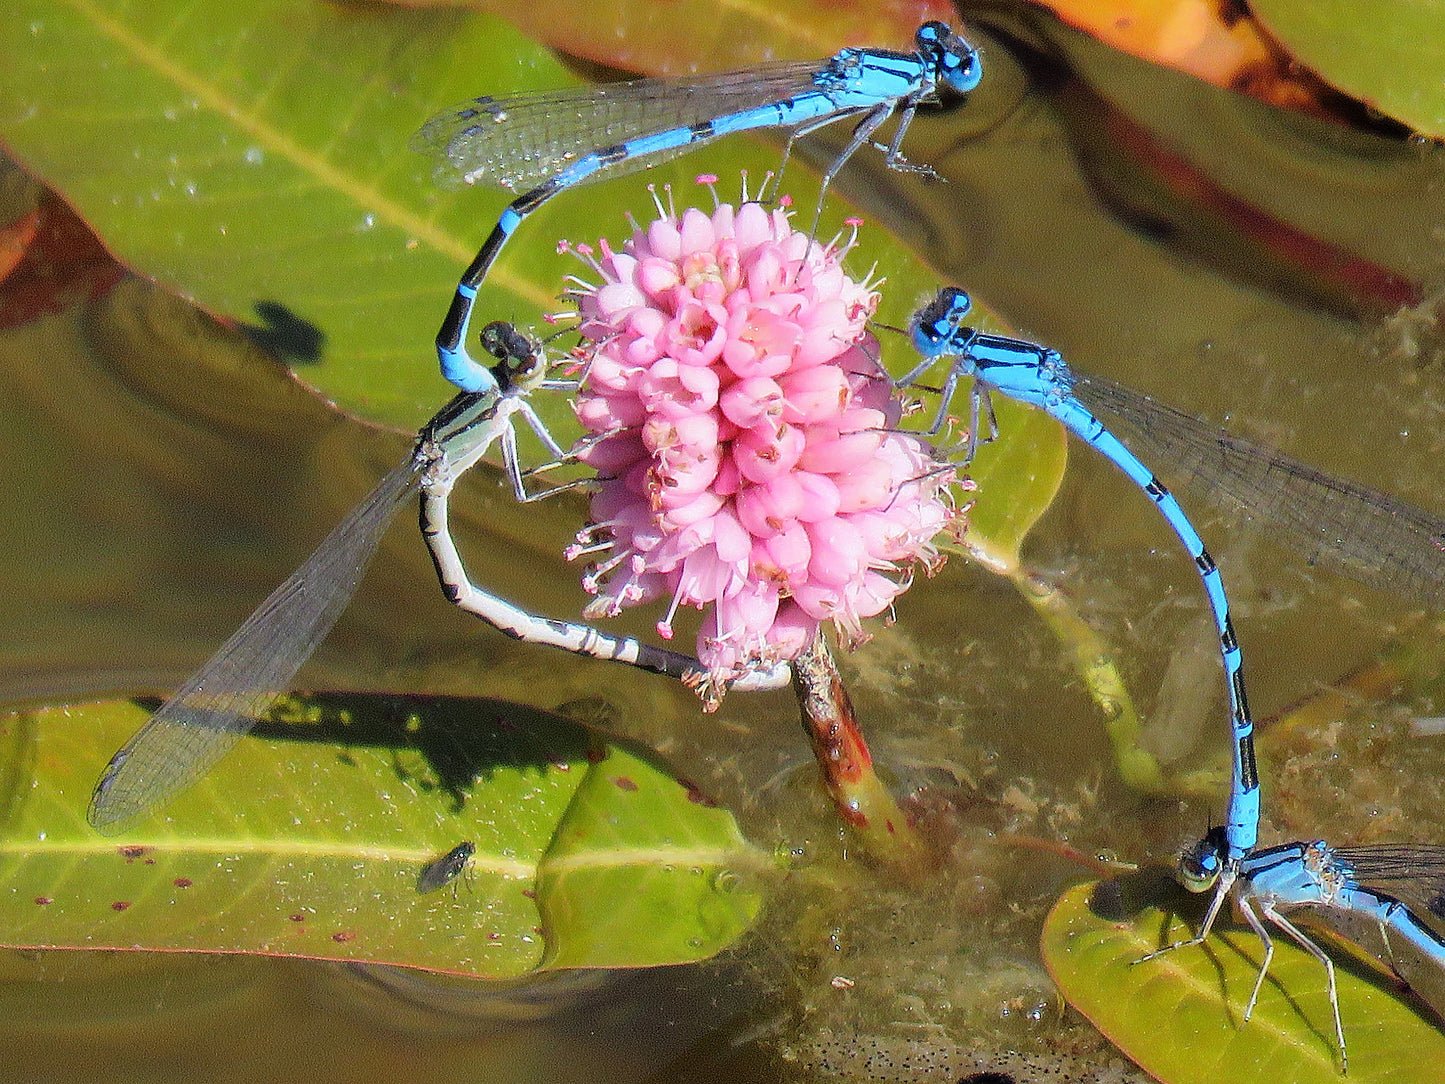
(1017, 481)
(1179, 1016)
(1388, 53)
(672, 39)
(253, 157)
(310, 842)
(688, 866)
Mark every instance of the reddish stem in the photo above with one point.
(862, 800)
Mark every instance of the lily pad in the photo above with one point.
(308, 840)
(1180, 1016)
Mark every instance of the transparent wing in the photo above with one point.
(1414, 873)
(1357, 531)
(222, 701)
(514, 143)
(1408, 941)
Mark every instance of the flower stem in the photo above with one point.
(862, 800)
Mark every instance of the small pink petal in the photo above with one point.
(792, 631)
(867, 485)
(815, 394)
(697, 232)
(657, 277)
(731, 540)
(687, 471)
(620, 297)
(821, 498)
(784, 556)
(704, 505)
(762, 454)
(767, 509)
(836, 454)
(611, 454)
(664, 239)
(839, 552)
(752, 400)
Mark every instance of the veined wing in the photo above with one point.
(1352, 529)
(1413, 873)
(222, 701)
(515, 143)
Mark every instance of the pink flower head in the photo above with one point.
(743, 435)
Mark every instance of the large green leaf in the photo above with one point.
(309, 842)
(1179, 1016)
(1017, 481)
(1388, 53)
(254, 157)
(668, 40)
(690, 862)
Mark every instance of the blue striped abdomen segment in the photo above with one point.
(1242, 823)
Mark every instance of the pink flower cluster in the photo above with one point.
(744, 439)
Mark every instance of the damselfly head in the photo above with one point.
(954, 60)
(1201, 864)
(520, 361)
(934, 324)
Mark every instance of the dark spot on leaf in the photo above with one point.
(595, 755)
(44, 901)
(986, 1078)
(183, 882)
(696, 796)
(132, 851)
(494, 937)
(343, 936)
(623, 783)
(529, 893)
(120, 905)
(298, 918)
(150, 861)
